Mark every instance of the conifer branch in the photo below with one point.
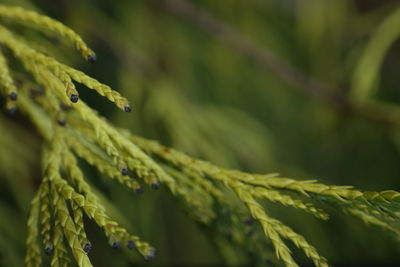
(72, 130)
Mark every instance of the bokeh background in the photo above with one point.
(306, 88)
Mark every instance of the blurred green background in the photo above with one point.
(196, 75)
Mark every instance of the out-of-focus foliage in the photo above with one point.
(195, 92)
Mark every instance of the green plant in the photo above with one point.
(218, 198)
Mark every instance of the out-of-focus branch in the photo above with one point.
(260, 56)
(265, 59)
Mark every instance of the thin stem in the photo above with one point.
(265, 59)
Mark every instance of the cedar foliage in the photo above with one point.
(231, 206)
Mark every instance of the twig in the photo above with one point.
(265, 59)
